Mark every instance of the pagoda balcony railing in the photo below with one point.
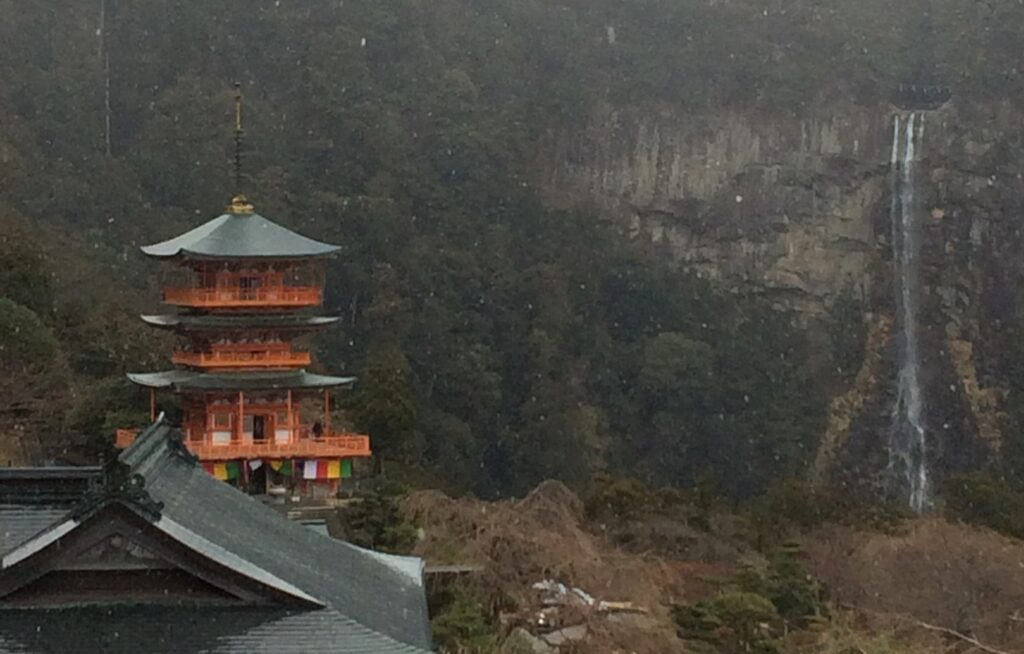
(231, 297)
(243, 359)
(333, 446)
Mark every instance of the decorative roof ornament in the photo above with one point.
(118, 483)
(240, 206)
(239, 199)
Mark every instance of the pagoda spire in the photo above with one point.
(239, 204)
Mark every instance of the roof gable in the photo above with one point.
(119, 540)
(171, 516)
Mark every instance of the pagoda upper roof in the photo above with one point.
(215, 322)
(188, 380)
(240, 234)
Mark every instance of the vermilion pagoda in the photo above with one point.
(242, 285)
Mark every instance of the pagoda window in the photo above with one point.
(259, 427)
(282, 427)
(249, 287)
(221, 427)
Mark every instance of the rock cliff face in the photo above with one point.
(780, 204)
(797, 207)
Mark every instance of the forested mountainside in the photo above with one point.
(502, 301)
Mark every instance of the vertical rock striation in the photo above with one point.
(796, 207)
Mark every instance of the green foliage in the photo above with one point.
(24, 276)
(979, 498)
(732, 623)
(374, 520)
(383, 404)
(462, 623)
(34, 384)
(792, 507)
(619, 498)
(848, 335)
(756, 607)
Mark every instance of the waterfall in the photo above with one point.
(908, 465)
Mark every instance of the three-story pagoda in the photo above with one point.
(244, 287)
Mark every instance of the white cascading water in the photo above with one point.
(908, 465)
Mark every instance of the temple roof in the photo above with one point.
(188, 380)
(241, 236)
(215, 322)
(320, 594)
(32, 498)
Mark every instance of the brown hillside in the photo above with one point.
(962, 578)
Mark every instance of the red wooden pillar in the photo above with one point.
(327, 412)
(291, 420)
(241, 414)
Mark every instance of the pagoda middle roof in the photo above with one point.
(240, 236)
(190, 380)
(211, 322)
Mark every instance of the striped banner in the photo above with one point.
(224, 470)
(326, 468)
(282, 467)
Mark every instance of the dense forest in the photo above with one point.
(504, 340)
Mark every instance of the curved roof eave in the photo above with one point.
(274, 321)
(188, 380)
(240, 236)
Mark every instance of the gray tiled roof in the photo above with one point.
(243, 236)
(31, 499)
(372, 602)
(189, 380)
(214, 322)
(130, 629)
(19, 522)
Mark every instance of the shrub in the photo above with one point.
(376, 522)
(462, 624)
(979, 498)
(757, 607)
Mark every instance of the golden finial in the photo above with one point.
(239, 205)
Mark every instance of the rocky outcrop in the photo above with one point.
(796, 207)
(845, 406)
(775, 203)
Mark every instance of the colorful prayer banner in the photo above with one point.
(283, 467)
(255, 464)
(346, 468)
(309, 470)
(334, 469)
(220, 471)
(233, 469)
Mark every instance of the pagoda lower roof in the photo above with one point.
(241, 236)
(264, 321)
(189, 380)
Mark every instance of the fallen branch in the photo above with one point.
(930, 627)
(963, 637)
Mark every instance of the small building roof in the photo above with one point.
(318, 594)
(240, 236)
(207, 322)
(31, 499)
(189, 380)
